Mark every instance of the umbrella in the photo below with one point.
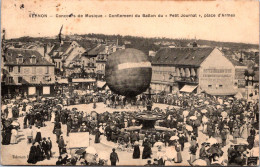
(25, 101)
(193, 117)
(205, 119)
(218, 106)
(206, 102)
(43, 99)
(157, 144)
(204, 111)
(15, 124)
(212, 141)
(9, 105)
(185, 113)
(91, 150)
(174, 138)
(224, 114)
(80, 151)
(189, 128)
(199, 162)
(60, 106)
(200, 100)
(242, 142)
(227, 103)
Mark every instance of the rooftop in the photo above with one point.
(182, 56)
(14, 53)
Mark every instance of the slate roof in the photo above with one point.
(182, 56)
(12, 55)
(95, 51)
(59, 48)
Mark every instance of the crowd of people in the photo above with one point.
(223, 120)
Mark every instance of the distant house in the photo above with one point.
(64, 53)
(26, 71)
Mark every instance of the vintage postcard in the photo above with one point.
(106, 82)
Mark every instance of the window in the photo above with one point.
(19, 69)
(10, 80)
(33, 79)
(11, 68)
(20, 79)
(209, 86)
(220, 86)
(47, 70)
(33, 59)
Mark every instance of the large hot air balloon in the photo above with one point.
(128, 72)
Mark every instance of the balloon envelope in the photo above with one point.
(128, 72)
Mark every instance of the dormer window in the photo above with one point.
(33, 59)
(20, 59)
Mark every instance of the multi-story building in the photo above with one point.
(194, 69)
(27, 72)
(63, 55)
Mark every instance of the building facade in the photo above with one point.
(196, 69)
(27, 72)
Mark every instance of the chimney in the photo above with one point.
(114, 48)
(241, 57)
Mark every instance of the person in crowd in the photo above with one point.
(97, 135)
(136, 153)
(30, 134)
(38, 137)
(114, 157)
(14, 136)
(61, 144)
(59, 162)
(193, 150)
(149, 163)
(49, 144)
(147, 151)
(32, 155)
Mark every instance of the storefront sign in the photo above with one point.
(31, 90)
(46, 90)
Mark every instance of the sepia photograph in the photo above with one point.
(130, 83)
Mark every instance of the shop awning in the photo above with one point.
(222, 92)
(80, 80)
(100, 84)
(188, 88)
(63, 81)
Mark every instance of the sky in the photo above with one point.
(244, 27)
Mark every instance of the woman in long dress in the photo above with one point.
(32, 155)
(243, 131)
(178, 157)
(38, 137)
(136, 153)
(52, 116)
(14, 136)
